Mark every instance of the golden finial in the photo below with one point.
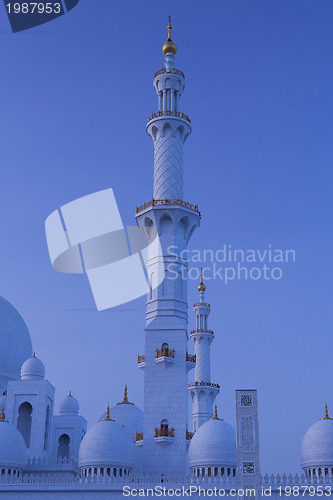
(34, 355)
(326, 417)
(169, 47)
(125, 400)
(215, 414)
(107, 418)
(70, 393)
(2, 416)
(201, 287)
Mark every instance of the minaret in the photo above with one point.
(174, 220)
(202, 391)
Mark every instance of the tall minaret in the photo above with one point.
(202, 391)
(174, 220)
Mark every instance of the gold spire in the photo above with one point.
(215, 414)
(34, 355)
(169, 47)
(107, 418)
(2, 416)
(125, 400)
(326, 417)
(70, 393)
(201, 287)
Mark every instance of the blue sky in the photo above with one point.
(75, 95)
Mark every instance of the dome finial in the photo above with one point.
(125, 400)
(70, 393)
(201, 287)
(326, 417)
(215, 414)
(34, 355)
(2, 415)
(169, 47)
(107, 417)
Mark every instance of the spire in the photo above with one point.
(2, 416)
(215, 414)
(70, 393)
(107, 417)
(34, 355)
(169, 47)
(326, 417)
(201, 287)
(125, 400)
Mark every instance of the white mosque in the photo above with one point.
(45, 453)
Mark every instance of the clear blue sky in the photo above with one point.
(75, 95)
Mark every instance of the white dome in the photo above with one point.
(107, 444)
(69, 405)
(213, 445)
(15, 343)
(13, 452)
(128, 415)
(32, 369)
(317, 445)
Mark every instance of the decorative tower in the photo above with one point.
(202, 391)
(173, 220)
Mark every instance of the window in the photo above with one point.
(24, 421)
(63, 446)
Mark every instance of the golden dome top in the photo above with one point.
(125, 400)
(215, 415)
(169, 46)
(2, 416)
(107, 418)
(201, 286)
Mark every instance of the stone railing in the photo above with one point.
(169, 70)
(165, 432)
(204, 384)
(138, 436)
(192, 358)
(178, 114)
(166, 202)
(141, 358)
(189, 435)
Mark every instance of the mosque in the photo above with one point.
(47, 452)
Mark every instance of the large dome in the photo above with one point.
(15, 342)
(213, 445)
(107, 444)
(13, 452)
(317, 444)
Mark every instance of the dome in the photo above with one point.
(213, 445)
(32, 369)
(12, 446)
(317, 444)
(128, 415)
(107, 444)
(69, 405)
(15, 343)
(169, 47)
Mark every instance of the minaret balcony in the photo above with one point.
(165, 356)
(200, 330)
(141, 361)
(167, 202)
(177, 114)
(169, 70)
(139, 439)
(191, 359)
(164, 435)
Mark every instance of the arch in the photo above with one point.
(191, 232)
(222, 471)
(183, 225)
(167, 130)
(209, 471)
(167, 85)
(63, 446)
(47, 426)
(164, 427)
(24, 421)
(180, 132)
(166, 224)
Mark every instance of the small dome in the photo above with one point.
(317, 444)
(201, 286)
(15, 343)
(213, 445)
(32, 369)
(107, 444)
(13, 452)
(69, 405)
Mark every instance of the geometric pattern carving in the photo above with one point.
(248, 468)
(246, 400)
(247, 434)
(168, 168)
